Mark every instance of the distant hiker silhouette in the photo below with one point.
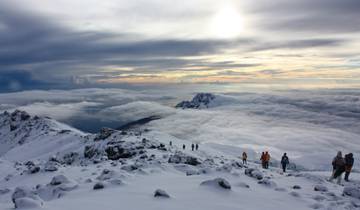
(197, 146)
(284, 162)
(349, 162)
(192, 147)
(183, 146)
(262, 158)
(338, 166)
(170, 143)
(266, 159)
(244, 158)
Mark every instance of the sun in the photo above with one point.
(227, 23)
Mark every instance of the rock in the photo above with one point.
(200, 100)
(116, 182)
(217, 182)
(319, 197)
(317, 206)
(320, 188)
(27, 203)
(254, 173)
(104, 134)
(161, 193)
(60, 179)
(99, 185)
(267, 183)
(180, 157)
(243, 185)
(115, 152)
(106, 174)
(34, 169)
(51, 166)
(4, 191)
(19, 195)
(296, 187)
(70, 158)
(91, 151)
(295, 194)
(352, 191)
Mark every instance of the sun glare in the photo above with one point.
(227, 23)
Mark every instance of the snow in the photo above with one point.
(132, 166)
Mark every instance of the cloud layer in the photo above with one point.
(59, 45)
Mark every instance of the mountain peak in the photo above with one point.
(199, 101)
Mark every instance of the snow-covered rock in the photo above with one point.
(352, 191)
(24, 197)
(60, 179)
(27, 203)
(200, 100)
(161, 193)
(217, 183)
(320, 188)
(99, 186)
(255, 173)
(180, 157)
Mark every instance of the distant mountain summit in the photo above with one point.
(200, 101)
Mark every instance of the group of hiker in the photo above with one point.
(340, 164)
(193, 146)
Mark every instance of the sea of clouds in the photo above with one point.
(311, 125)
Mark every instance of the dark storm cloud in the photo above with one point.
(14, 80)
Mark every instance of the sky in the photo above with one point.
(66, 44)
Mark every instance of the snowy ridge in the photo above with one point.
(140, 170)
(25, 137)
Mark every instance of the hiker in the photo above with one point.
(197, 147)
(339, 165)
(170, 143)
(192, 147)
(183, 146)
(267, 159)
(262, 159)
(349, 162)
(284, 162)
(244, 158)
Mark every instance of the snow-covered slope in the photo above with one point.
(140, 170)
(24, 137)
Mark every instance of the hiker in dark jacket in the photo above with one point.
(183, 146)
(262, 158)
(339, 165)
(192, 147)
(349, 162)
(244, 158)
(197, 146)
(284, 162)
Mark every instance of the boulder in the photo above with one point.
(161, 193)
(51, 166)
(254, 173)
(60, 179)
(23, 196)
(218, 183)
(267, 183)
(115, 152)
(296, 187)
(320, 188)
(180, 157)
(27, 203)
(104, 134)
(99, 186)
(352, 191)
